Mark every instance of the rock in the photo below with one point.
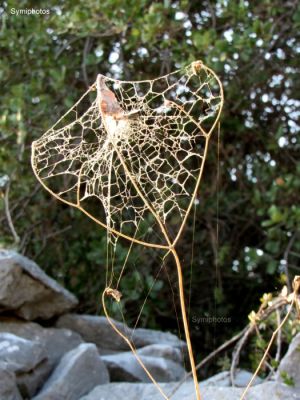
(125, 367)
(242, 378)
(28, 291)
(143, 391)
(134, 391)
(20, 354)
(97, 330)
(273, 390)
(288, 370)
(30, 383)
(56, 342)
(78, 372)
(164, 351)
(8, 385)
(26, 359)
(144, 337)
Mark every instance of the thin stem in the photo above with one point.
(185, 323)
(132, 348)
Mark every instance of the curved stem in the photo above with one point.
(185, 323)
(107, 291)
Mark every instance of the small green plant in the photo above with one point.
(287, 379)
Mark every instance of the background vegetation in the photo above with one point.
(246, 237)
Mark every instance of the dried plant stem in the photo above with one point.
(110, 292)
(279, 337)
(269, 346)
(107, 292)
(185, 323)
(261, 315)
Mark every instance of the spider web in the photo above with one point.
(145, 165)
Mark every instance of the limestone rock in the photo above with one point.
(94, 329)
(8, 384)
(28, 291)
(144, 391)
(242, 378)
(78, 372)
(163, 351)
(56, 342)
(97, 330)
(144, 337)
(273, 391)
(125, 367)
(26, 359)
(288, 370)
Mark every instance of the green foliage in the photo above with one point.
(288, 380)
(47, 62)
(224, 363)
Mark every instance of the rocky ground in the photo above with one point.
(67, 356)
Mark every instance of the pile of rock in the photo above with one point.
(71, 356)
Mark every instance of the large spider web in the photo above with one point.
(147, 164)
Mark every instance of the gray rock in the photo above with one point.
(288, 370)
(78, 372)
(242, 378)
(30, 383)
(56, 342)
(8, 384)
(26, 359)
(144, 337)
(125, 367)
(134, 391)
(163, 351)
(20, 354)
(273, 391)
(97, 330)
(143, 391)
(28, 291)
